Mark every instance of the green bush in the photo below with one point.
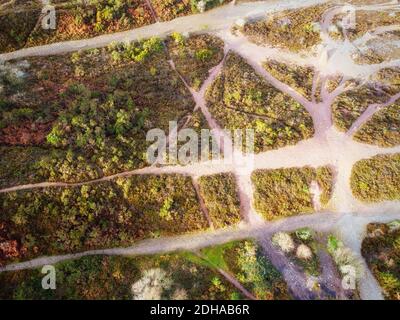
(203, 54)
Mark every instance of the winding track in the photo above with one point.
(328, 146)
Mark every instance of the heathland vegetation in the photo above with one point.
(295, 30)
(241, 99)
(377, 179)
(177, 276)
(98, 107)
(104, 215)
(286, 192)
(381, 250)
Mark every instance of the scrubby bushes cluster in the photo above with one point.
(95, 125)
(194, 56)
(241, 99)
(286, 192)
(389, 79)
(203, 5)
(89, 278)
(22, 164)
(344, 257)
(221, 199)
(296, 29)
(103, 12)
(104, 132)
(63, 220)
(258, 273)
(94, 17)
(377, 179)
(16, 27)
(368, 20)
(171, 9)
(136, 51)
(381, 250)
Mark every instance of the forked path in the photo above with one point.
(328, 147)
